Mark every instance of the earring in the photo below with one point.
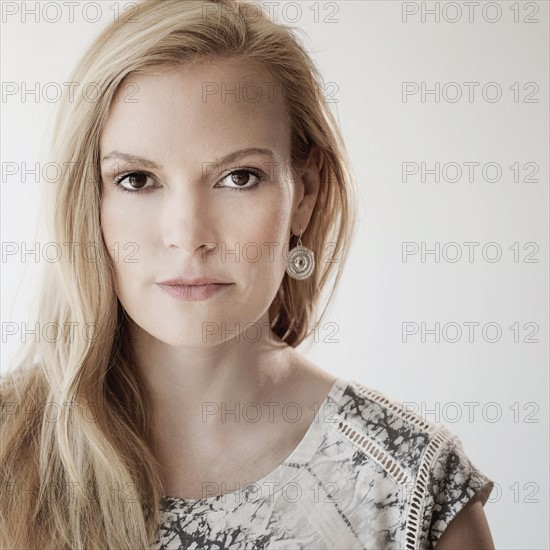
(301, 261)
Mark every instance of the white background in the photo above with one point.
(365, 54)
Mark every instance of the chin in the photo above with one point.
(190, 335)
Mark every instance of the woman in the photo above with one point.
(185, 417)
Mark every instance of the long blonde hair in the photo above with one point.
(89, 479)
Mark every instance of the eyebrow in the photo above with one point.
(136, 159)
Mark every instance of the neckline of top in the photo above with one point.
(274, 481)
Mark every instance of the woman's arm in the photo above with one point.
(469, 530)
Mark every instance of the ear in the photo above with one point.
(307, 185)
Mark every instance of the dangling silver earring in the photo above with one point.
(301, 261)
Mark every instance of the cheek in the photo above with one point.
(119, 214)
(276, 212)
(123, 235)
(113, 226)
(263, 242)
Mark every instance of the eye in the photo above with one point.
(241, 178)
(136, 181)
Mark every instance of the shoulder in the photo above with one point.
(386, 429)
(432, 478)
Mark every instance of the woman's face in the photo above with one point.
(172, 131)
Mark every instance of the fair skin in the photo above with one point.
(183, 206)
(171, 125)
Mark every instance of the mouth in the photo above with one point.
(193, 292)
(193, 281)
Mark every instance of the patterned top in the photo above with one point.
(368, 474)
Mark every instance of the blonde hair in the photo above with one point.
(89, 479)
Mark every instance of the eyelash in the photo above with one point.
(260, 175)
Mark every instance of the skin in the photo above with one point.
(172, 126)
(468, 530)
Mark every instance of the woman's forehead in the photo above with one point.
(208, 81)
(197, 108)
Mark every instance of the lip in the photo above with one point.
(190, 281)
(193, 293)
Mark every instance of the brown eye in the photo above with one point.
(137, 181)
(244, 179)
(241, 177)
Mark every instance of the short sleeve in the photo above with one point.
(453, 481)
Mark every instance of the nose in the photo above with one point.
(186, 218)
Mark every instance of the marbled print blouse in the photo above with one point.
(368, 474)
